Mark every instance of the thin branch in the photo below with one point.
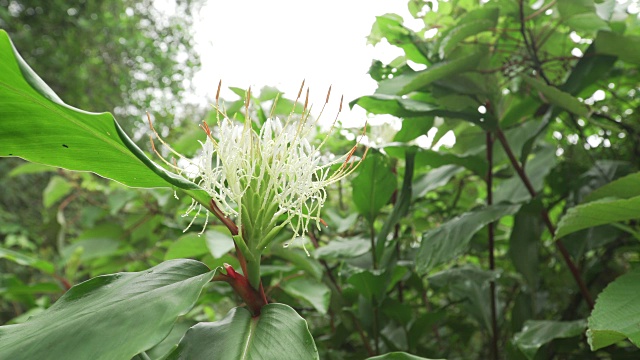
(495, 336)
(545, 217)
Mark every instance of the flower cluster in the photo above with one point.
(269, 178)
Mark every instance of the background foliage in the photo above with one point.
(496, 247)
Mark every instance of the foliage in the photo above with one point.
(496, 246)
(126, 57)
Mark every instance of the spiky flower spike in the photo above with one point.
(267, 179)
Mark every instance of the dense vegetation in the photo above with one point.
(519, 241)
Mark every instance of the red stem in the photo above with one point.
(545, 217)
(254, 299)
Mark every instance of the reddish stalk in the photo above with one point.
(545, 216)
(492, 263)
(254, 299)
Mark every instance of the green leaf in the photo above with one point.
(434, 179)
(390, 26)
(309, 290)
(400, 107)
(187, 246)
(399, 356)
(513, 189)
(616, 313)
(536, 333)
(626, 48)
(343, 249)
(558, 97)
(91, 248)
(435, 159)
(37, 126)
(623, 188)
(300, 259)
(400, 208)
(109, 317)
(57, 188)
(581, 15)
(26, 260)
(30, 168)
(278, 333)
(371, 286)
(471, 285)
(525, 241)
(374, 185)
(473, 23)
(604, 211)
(450, 239)
(409, 82)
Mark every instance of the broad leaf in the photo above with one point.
(513, 189)
(278, 333)
(604, 211)
(401, 107)
(626, 48)
(373, 186)
(309, 290)
(434, 179)
(343, 249)
(622, 188)
(409, 82)
(616, 313)
(37, 126)
(536, 333)
(558, 97)
(27, 260)
(450, 239)
(109, 317)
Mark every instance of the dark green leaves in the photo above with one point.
(111, 316)
(278, 333)
(450, 239)
(536, 333)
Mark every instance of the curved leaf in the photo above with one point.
(449, 240)
(109, 317)
(596, 213)
(36, 125)
(278, 333)
(616, 313)
(535, 333)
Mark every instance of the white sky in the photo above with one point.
(281, 42)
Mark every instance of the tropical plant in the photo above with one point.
(499, 221)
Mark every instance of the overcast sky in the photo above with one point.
(281, 42)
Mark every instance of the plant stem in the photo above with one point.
(356, 323)
(495, 332)
(373, 244)
(545, 217)
(255, 299)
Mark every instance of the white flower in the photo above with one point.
(269, 179)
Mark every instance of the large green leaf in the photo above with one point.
(450, 239)
(36, 125)
(309, 290)
(558, 97)
(109, 317)
(472, 23)
(616, 313)
(374, 185)
(278, 333)
(626, 48)
(623, 188)
(604, 211)
(401, 107)
(409, 82)
(536, 333)
(26, 260)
